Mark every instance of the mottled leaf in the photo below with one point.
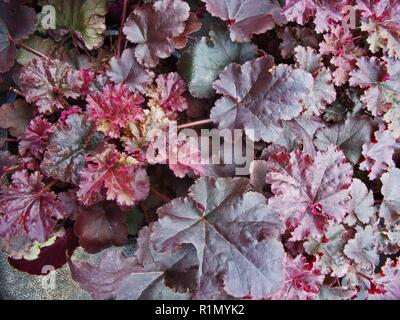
(309, 191)
(27, 207)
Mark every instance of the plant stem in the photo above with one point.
(9, 170)
(8, 140)
(120, 35)
(195, 123)
(31, 50)
(160, 195)
(12, 169)
(49, 186)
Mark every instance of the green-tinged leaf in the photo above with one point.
(134, 219)
(204, 59)
(65, 155)
(85, 18)
(45, 46)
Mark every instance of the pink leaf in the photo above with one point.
(388, 282)
(35, 138)
(180, 153)
(300, 11)
(302, 281)
(120, 176)
(370, 74)
(47, 84)
(378, 154)
(361, 204)
(323, 91)
(309, 191)
(168, 93)
(114, 108)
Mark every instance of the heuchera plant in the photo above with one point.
(318, 217)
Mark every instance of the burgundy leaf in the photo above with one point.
(153, 27)
(225, 223)
(193, 24)
(34, 140)
(256, 98)
(350, 136)
(168, 93)
(116, 277)
(65, 155)
(47, 84)
(128, 71)
(246, 17)
(53, 256)
(101, 226)
(16, 117)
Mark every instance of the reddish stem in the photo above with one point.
(160, 195)
(49, 186)
(8, 140)
(195, 124)
(31, 50)
(9, 170)
(120, 35)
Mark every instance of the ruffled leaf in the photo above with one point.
(378, 154)
(114, 108)
(168, 93)
(309, 191)
(153, 27)
(27, 207)
(85, 19)
(47, 84)
(120, 176)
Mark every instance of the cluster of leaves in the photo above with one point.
(319, 215)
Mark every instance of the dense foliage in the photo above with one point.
(318, 217)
